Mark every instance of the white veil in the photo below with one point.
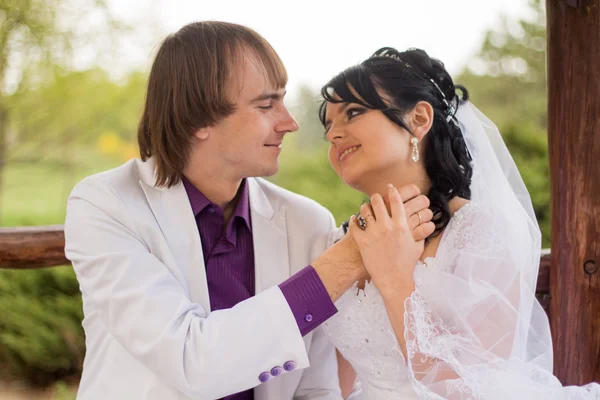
(473, 327)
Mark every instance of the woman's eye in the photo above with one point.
(354, 111)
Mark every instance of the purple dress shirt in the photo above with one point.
(229, 262)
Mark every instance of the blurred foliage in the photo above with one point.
(507, 81)
(41, 338)
(65, 124)
(74, 108)
(45, 109)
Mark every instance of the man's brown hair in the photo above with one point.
(188, 89)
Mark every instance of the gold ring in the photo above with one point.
(369, 217)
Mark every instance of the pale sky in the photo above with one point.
(317, 39)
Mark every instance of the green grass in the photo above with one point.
(36, 193)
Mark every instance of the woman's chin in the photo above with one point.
(351, 179)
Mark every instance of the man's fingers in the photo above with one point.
(418, 203)
(423, 231)
(420, 217)
(409, 192)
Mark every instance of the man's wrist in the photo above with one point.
(337, 277)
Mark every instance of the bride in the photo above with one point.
(454, 317)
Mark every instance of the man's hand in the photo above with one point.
(415, 207)
(340, 266)
(416, 210)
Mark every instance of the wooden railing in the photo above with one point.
(32, 247)
(43, 246)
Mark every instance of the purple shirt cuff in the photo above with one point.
(308, 299)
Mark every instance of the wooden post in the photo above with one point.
(574, 149)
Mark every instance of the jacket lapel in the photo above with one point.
(173, 212)
(271, 258)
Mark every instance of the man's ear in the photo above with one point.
(421, 119)
(203, 133)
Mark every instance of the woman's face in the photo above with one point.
(365, 147)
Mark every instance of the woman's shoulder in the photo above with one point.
(474, 215)
(477, 225)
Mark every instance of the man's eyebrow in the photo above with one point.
(268, 96)
(328, 121)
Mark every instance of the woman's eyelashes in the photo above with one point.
(352, 112)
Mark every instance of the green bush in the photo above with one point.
(41, 338)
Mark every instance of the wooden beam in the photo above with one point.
(43, 246)
(573, 31)
(32, 247)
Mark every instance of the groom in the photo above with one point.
(199, 280)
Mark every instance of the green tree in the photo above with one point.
(507, 76)
(38, 35)
(507, 81)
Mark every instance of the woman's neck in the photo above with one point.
(379, 184)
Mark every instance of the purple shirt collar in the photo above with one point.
(199, 201)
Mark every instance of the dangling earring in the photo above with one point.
(415, 149)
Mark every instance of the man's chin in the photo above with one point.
(264, 172)
(271, 171)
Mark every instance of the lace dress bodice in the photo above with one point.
(362, 332)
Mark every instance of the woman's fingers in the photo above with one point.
(396, 206)
(379, 210)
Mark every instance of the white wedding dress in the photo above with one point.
(362, 332)
(464, 315)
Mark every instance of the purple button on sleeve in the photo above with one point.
(308, 299)
(289, 366)
(276, 371)
(265, 376)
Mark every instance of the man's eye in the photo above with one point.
(267, 107)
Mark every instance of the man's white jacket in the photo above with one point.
(149, 330)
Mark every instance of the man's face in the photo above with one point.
(248, 142)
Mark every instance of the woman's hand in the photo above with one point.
(387, 245)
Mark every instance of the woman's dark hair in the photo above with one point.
(406, 78)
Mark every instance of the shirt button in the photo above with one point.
(308, 317)
(264, 377)
(289, 366)
(276, 371)
(211, 210)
